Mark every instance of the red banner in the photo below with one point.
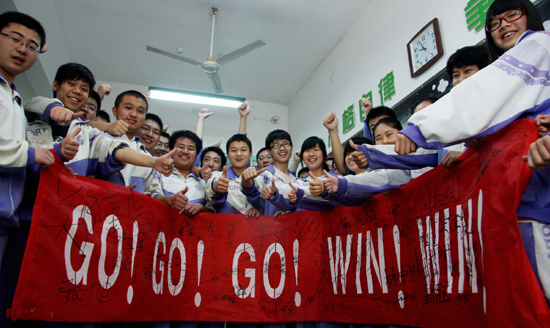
(443, 250)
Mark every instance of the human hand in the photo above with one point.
(292, 197)
(297, 157)
(222, 184)
(269, 190)
(252, 213)
(358, 157)
(69, 145)
(331, 183)
(316, 187)
(63, 115)
(206, 172)
(117, 128)
(366, 106)
(331, 122)
(244, 109)
(542, 121)
(404, 145)
(249, 174)
(538, 156)
(217, 144)
(44, 157)
(450, 158)
(164, 164)
(104, 90)
(473, 142)
(179, 199)
(192, 209)
(204, 113)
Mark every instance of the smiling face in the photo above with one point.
(385, 134)
(350, 163)
(239, 154)
(89, 109)
(213, 160)
(132, 110)
(149, 134)
(72, 93)
(264, 159)
(16, 58)
(506, 36)
(313, 158)
(373, 121)
(281, 150)
(186, 155)
(162, 147)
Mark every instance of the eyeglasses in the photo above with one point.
(509, 16)
(163, 145)
(262, 158)
(285, 144)
(147, 129)
(92, 108)
(16, 39)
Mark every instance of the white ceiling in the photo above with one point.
(110, 37)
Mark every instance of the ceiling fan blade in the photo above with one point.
(216, 83)
(171, 55)
(240, 52)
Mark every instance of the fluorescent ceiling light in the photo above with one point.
(194, 97)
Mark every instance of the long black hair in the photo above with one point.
(313, 142)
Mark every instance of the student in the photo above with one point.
(212, 159)
(280, 144)
(102, 116)
(492, 99)
(373, 115)
(183, 189)
(423, 103)
(264, 158)
(223, 189)
(467, 61)
(91, 106)
(149, 133)
(131, 107)
(162, 146)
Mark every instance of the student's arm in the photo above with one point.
(15, 154)
(369, 184)
(204, 113)
(331, 123)
(384, 157)
(295, 162)
(162, 164)
(487, 101)
(117, 128)
(50, 110)
(216, 198)
(366, 106)
(244, 110)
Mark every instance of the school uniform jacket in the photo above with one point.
(233, 201)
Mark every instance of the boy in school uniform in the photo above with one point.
(149, 133)
(279, 143)
(184, 189)
(223, 189)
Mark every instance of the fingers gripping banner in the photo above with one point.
(443, 250)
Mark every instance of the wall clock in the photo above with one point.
(425, 48)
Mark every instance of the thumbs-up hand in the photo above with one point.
(331, 183)
(358, 157)
(249, 174)
(222, 184)
(180, 200)
(316, 186)
(269, 190)
(164, 164)
(292, 193)
(69, 145)
(331, 122)
(206, 172)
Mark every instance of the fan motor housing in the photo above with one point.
(210, 66)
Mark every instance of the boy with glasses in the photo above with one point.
(149, 133)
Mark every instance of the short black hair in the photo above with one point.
(19, 18)
(277, 135)
(380, 111)
(534, 21)
(156, 118)
(472, 55)
(165, 134)
(97, 98)
(393, 122)
(431, 99)
(356, 140)
(217, 150)
(304, 169)
(259, 151)
(185, 134)
(132, 93)
(312, 142)
(238, 137)
(74, 72)
(103, 114)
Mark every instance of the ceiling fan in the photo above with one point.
(211, 66)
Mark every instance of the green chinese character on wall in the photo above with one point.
(386, 87)
(348, 119)
(368, 96)
(475, 13)
(329, 141)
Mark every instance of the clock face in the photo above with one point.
(425, 48)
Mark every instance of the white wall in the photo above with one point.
(222, 125)
(373, 47)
